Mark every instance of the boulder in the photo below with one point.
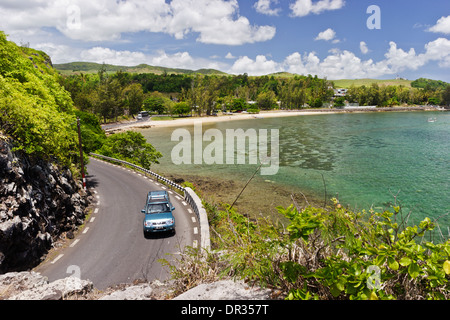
(141, 292)
(33, 286)
(57, 290)
(225, 290)
(13, 283)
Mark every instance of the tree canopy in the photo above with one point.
(34, 109)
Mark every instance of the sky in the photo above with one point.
(336, 39)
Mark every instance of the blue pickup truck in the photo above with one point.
(158, 213)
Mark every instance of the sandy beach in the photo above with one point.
(206, 119)
(143, 124)
(111, 128)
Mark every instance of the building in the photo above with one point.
(340, 92)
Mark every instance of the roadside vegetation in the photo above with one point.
(41, 117)
(328, 253)
(34, 109)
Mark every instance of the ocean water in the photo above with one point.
(367, 160)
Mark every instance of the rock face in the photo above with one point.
(225, 290)
(38, 203)
(33, 286)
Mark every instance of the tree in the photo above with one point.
(316, 103)
(181, 108)
(339, 102)
(434, 101)
(134, 98)
(131, 147)
(92, 133)
(155, 103)
(35, 110)
(238, 104)
(446, 96)
(266, 100)
(109, 102)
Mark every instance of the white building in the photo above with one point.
(340, 92)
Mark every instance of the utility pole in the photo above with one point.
(81, 154)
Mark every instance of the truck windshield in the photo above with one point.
(157, 208)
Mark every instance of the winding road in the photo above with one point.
(111, 248)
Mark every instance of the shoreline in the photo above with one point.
(120, 127)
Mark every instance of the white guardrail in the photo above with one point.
(189, 195)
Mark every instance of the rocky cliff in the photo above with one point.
(33, 286)
(39, 202)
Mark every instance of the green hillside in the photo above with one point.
(35, 111)
(347, 83)
(91, 67)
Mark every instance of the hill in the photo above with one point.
(347, 83)
(40, 197)
(429, 84)
(92, 67)
(35, 110)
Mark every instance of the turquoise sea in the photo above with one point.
(367, 159)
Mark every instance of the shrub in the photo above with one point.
(332, 253)
(131, 147)
(34, 109)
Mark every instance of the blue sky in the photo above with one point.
(329, 38)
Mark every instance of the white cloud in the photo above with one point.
(338, 65)
(438, 50)
(257, 67)
(109, 56)
(441, 26)
(215, 21)
(326, 35)
(183, 60)
(303, 8)
(264, 7)
(363, 47)
(229, 56)
(347, 65)
(59, 53)
(161, 58)
(398, 59)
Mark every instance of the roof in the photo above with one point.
(157, 196)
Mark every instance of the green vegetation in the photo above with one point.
(429, 84)
(323, 254)
(92, 135)
(388, 96)
(90, 67)
(347, 83)
(158, 103)
(111, 95)
(34, 109)
(39, 114)
(131, 147)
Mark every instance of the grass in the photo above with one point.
(347, 83)
(68, 69)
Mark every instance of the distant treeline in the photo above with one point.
(110, 95)
(388, 96)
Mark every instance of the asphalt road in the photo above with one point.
(111, 249)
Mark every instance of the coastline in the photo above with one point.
(224, 188)
(118, 127)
